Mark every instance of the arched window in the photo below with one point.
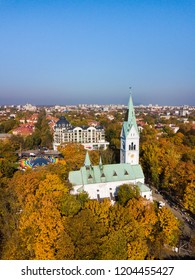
(131, 147)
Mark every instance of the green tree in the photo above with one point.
(7, 126)
(127, 192)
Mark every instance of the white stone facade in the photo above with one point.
(108, 190)
(130, 147)
(92, 138)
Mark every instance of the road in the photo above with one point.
(188, 222)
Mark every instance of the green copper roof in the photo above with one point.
(131, 121)
(131, 112)
(142, 187)
(106, 173)
(87, 160)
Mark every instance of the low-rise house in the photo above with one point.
(23, 130)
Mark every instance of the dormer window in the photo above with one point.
(126, 173)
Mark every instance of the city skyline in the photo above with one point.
(71, 52)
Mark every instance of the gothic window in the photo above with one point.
(89, 177)
(131, 147)
(134, 147)
(103, 175)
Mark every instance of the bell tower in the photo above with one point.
(129, 150)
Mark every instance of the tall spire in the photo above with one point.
(100, 162)
(87, 160)
(131, 112)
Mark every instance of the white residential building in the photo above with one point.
(92, 138)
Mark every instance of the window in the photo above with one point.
(111, 196)
(103, 175)
(126, 173)
(114, 174)
(132, 146)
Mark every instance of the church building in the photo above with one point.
(103, 181)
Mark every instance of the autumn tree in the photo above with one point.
(168, 226)
(39, 224)
(85, 234)
(46, 222)
(74, 155)
(150, 162)
(108, 156)
(114, 246)
(100, 211)
(137, 249)
(189, 197)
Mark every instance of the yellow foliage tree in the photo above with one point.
(137, 249)
(100, 211)
(40, 223)
(74, 155)
(189, 197)
(169, 226)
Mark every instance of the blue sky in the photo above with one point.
(70, 52)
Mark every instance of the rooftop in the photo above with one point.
(106, 173)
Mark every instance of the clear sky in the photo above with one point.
(82, 51)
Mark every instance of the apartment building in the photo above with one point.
(92, 138)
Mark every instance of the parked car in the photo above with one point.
(161, 204)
